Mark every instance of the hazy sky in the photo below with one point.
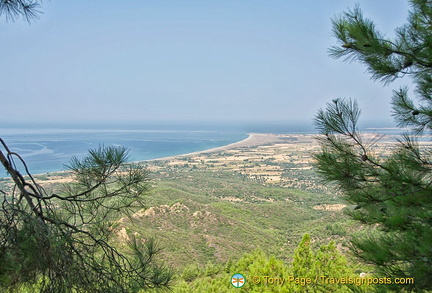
(220, 60)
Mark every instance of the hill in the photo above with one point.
(201, 217)
(217, 205)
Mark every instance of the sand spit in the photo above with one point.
(254, 139)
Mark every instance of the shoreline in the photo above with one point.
(250, 135)
(253, 139)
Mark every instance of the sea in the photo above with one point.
(45, 148)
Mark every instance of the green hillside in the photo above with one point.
(200, 217)
(206, 217)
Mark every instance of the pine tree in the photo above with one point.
(320, 266)
(304, 259)
(261, 271)
(65, 241)
(393, 194)
(28, 9)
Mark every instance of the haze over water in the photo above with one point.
(47, 149)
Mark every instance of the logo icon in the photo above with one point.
(238, 280)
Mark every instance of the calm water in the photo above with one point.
(47, 150)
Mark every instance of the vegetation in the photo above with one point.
(62, 242)
(266, 273)
(211, 212)
(13, 9)
(391, 194)
(202, 230)
(195, 222)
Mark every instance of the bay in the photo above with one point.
(49, 150)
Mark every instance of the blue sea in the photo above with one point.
(48, 149)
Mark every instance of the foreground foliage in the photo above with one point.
(258, 267)
(391, 194)
(62, 242)
(27, 9)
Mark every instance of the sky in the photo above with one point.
(189, 61)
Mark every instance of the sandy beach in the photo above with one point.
(260, 155)
(254, 139)
(282, 159)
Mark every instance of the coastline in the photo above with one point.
(253, 139)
